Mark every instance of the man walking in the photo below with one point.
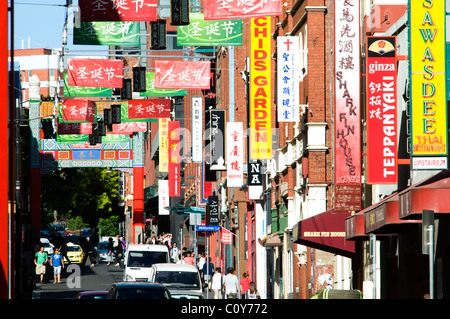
(231, 284)
(57, 261)
(40, 259)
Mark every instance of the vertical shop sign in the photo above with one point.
(235, 154)
(213, 210)
(428, 82)
(347, 89)
(174, 158)
(164, 145)
(216, 134)
(288, 97)
(197, 129)
(260, 90)
(381, 114)
(163, 197)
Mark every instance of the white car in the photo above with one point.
(177, 277)
(48, 246)
(140, 258)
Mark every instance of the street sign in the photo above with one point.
(208, 228)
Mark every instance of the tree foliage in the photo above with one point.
(108, 226)
(90, 193)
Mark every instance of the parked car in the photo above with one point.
(140, 258)
(185, 294)
(100, 294)
(102, 251)
(48, 246)
(138, 290)
(75, 254)
(177, 277)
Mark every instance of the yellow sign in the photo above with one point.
(428, 89)
(260, 90)
(163, 144)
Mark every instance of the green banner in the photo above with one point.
(151, 91)
(81, 138)
(209, 33)
(123, 33)
(81, 91)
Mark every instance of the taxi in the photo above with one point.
(75, 254)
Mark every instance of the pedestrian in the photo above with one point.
(90, 251)
(110, 250)
(174, 253)
(208, 272)
(189, 259)
(57, 262)
(231, 284)
(244, 284)
(40, 260)
(201, 261)
(217, 282)
(63, 250)
(252, 292)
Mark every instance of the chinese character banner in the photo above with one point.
(77, 111)
(118, 10)
(182, 74)
(121, 33)
(236, 9)
(82, 91)
(209, 33)
(148, 108)
(197, 129)
(95, 73)
(235, 154)
(152, 92)
(174, 158)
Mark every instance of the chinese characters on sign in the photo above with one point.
(182, 75)
(148, 108)
(235, 154)
(163, 144)
(235, 9)
(107, 33)
(163, 197)
(95, 73)
(174, 158)
(213, 210)
(197, 129)
(118, 10)
(381, 116)
(347, 112)
(77, 111)
(288, 79)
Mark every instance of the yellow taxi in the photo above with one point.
(75, 254)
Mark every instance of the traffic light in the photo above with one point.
(139, 79)
(179, 12)
(158, 40)
(126, 91)
(116, 113)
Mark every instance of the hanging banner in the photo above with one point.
(234, 9)
(197, 129)
(148, 108)
(209, 33)
(347, 90)
(117, 10)
(260, 90)
(215, 139)
(82, 91)
(235, 154)
(84, 138)
(152, 92)
(182, 74)
(77, 111)
(163, 144)
(428, 78)
(163, 197)
(288, 97)
(95, 73)
(129, 127)
(174, 158)
(381, 75)
(74, 128)
(121, 33)
(213, 211)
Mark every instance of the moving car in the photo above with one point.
(102, 252)
(48, 246)
(100, 294)
(138, 290)
(177, 277)
(140, 258)
(75, 254)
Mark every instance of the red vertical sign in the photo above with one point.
(381, 114)
(174, 158)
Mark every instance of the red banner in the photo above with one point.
(381, 114)
(129, 127)
(182, 75)
(235, 9)
(78, 111)
(74, 128)
(126, 128)
(95, 73)
(148, 108)
(118, 10)
(174, 158)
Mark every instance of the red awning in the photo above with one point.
(354, 226)
(431, 194)
(325, 231)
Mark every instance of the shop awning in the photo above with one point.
(325, 231)
(272, 240)
(431, 194)
(354, 226)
